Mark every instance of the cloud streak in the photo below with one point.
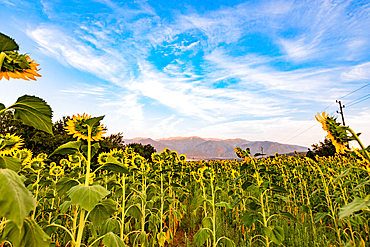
(237, 64)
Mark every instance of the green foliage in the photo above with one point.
(112, 240)
(7, 43)
(33, 111)
(102, 211)
(87, 196)
(356, 205)
(145, 151)
(322, 149)
(16, 201)
(30, 234)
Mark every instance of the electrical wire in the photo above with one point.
(304, 125)
(355, 91)
(363, 99)
(327, 108)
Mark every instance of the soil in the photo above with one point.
(180, 238)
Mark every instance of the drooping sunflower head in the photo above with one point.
(75, 160)
(102, 158)
(36, 164)
(9, 144)
(78, 127)
(206, 173)
(56, 170)
(138, 161)
(156, 157)
(64, 162)
(119, 154)
(23, 154)
(336, 133)
(42, 156)
(18, 66)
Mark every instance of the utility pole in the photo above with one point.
(262, 152)
(341, 111)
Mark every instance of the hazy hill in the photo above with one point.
(211, 148)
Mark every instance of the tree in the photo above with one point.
(145, 151)
(325, 148)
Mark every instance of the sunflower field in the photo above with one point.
(124, 199)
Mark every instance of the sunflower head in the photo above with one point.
(56, 170)
(119, 154)
(335, 132)
(36, 164)
(42, 156)
(102, 158)
(23, 154)
(64, 162)
(156, 157)
(182, 157)
(75, 160)
(9, 144)
(18, 66)
(78, 127)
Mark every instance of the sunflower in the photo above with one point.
(23, 154)
(78, 128)
(119, 154)
(64, 163)
(36, 164)
(182, 157)
(336, 133)
(9, 144)
(75, 160)
(139, 162)
(18, 66)
(42, 156)
(102, 158)
(56, 171)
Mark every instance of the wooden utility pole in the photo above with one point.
(341, 111)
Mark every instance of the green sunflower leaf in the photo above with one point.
(33, 111)
(16, 202)
(102, 212)
(71, 147)
(10, 163)
(94, 149)
(87, 196)
(30, 235)
(2, 107)
(356, 205)
(275, 233)
(7, 43)
(201, 236)
(112, 164)
(94, 121)
(112, 240)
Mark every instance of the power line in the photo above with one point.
(304, 124)
(323, 111)
(349, 103)
(358, 102)
(303, 132)
(355, 91)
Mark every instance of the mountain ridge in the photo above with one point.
(197, 148)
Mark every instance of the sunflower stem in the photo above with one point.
(81, 225)
(87, 178)
(2, 58)
(360, 143)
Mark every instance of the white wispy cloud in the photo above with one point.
(187, 62)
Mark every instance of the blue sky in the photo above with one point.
(258, 70)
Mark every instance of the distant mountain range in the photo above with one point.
(208, 148)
